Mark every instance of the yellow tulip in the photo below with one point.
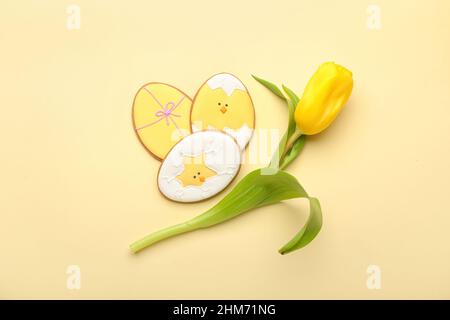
(325, 94)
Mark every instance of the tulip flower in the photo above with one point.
(323, 98)
(326, 93)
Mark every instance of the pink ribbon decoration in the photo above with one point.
(166, 113)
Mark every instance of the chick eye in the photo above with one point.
(219, 103)
(194, 177)
(198, 173)
(226, 104)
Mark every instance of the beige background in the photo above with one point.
(77, 187)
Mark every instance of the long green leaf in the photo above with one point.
(309, 230)
(253, 191)
(272, 87)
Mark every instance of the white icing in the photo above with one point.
(196, 128)
(242, 135)
(227, 82)
(221, 155)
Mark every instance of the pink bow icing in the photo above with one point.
(166, 112)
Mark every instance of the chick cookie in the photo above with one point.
(195, 171)
(199, 166)
(223, 103)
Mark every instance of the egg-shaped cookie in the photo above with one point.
(199, 166)
(223, 103)
(161, 117)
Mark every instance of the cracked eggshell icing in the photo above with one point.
(223, 103)
(161, 117)
(199, 166)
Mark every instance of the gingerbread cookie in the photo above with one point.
(199, 166)
(161, 117)
(223, 103)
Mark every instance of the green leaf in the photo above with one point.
(272, 87)
(293, 101)
(291, 123)
(293, 153)
(291, 94)
(255, 190)
(281, 149)
(309, 230)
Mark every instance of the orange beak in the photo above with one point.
(223, 109)
(201, 178)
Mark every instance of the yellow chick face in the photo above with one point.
(195, 171)
(222, 102)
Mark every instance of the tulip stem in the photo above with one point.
(297, 134)
(161, 235)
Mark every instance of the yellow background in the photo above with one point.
(77, 186)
